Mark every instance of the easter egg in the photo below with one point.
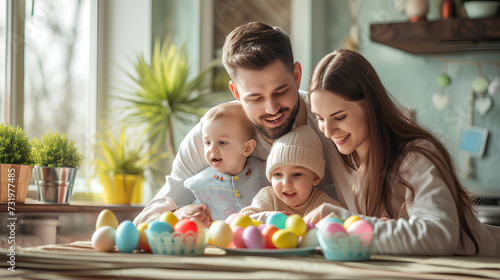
(230, 218)
(252, 238)
(296, 224)
(333, 229)
(277, 219)
(363, 229)
(256, 223)
(328, 219)
(309, 226)
(126, 237)
(238, 237)
(159, 227)
(220, 233)
(168, 217)
(106, 218)
(261, 227)
(186, 225)
(268, 232)
(103, 239)
(285, 239)
(143, 240)
(309, 239)
(241, 221)
(349, 220)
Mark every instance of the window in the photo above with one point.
(52, 56)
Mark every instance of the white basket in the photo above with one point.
(343, 248)
(177, 243)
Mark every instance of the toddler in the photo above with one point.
(233, 178)
(294, 167)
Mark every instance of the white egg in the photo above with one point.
(310, 238)
(103, 239)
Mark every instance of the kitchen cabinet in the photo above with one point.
(443, 36)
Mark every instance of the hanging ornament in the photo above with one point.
(441, 100)
(352, 40)
(494, 86)
(480, 87)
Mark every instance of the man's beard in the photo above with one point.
(276, 132)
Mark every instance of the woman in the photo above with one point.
(405, 182)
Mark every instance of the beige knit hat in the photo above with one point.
(301, 146)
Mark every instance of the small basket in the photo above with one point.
(177, 243)
(343, 248)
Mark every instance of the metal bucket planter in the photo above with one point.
(54, 184)
(122, 188)
(14, 182)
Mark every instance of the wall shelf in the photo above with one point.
(450, 35)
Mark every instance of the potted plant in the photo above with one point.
(16, 164)
(56, 163)
(163, 94)
(120, 164)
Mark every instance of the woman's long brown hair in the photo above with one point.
(391, 128)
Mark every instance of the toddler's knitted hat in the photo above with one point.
(301, 146)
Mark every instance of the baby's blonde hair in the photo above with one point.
(232, 110)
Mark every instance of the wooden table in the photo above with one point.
(78, 260)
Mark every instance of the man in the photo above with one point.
(265, 80)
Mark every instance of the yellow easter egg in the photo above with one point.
(256, 223)
(106, 218)
(241, 221)
(285, 239)
(169, 218)
(349, 221)
(220, 234)
(296, 224)
(143, 240)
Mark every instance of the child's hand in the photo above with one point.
(195, 211)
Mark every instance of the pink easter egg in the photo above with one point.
(261, 227)
(238, 237)
(252, 238)
(230, 218)
(333, 229)
(363, 229)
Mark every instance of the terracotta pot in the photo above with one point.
(121, 188)
(14, 180)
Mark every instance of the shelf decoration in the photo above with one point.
(480, 87)
(494, 86)
(352, 40)
(441, 100)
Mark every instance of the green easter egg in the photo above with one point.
(480, 85)
(443, 80)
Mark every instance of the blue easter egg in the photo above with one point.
(126, 237)
(277, 219)
(160, 227)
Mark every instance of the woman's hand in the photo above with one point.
(195, 211)
(323, 211)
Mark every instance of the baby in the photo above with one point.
(233, 178)
(295, 166)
